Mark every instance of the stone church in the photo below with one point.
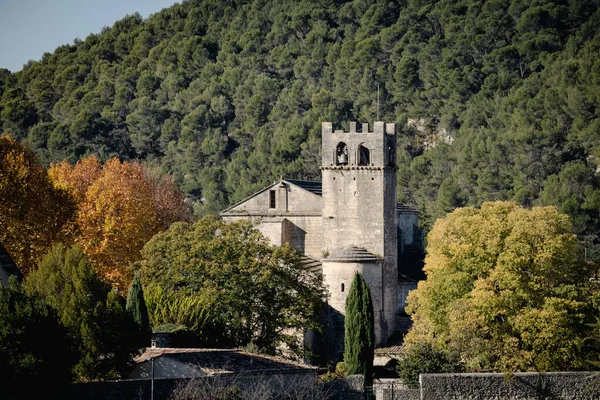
(349, 222)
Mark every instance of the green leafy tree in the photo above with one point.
(35, 351)
(103, 333)
(136, 306)
(507, 288)
(359, 330)
(229, 285)
(424, 358)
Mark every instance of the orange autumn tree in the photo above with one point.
(121, 206)
(77, 178)
(33, 212)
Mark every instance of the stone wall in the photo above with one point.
(407, 223)
(350, 388)
(518, 386)
(403, 288)
(336, 274)
(305, 234)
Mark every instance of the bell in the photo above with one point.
(343, 159)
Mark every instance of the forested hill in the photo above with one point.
(494, 99)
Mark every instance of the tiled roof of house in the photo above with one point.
(311, 264)
(388, 351)
(213, 361)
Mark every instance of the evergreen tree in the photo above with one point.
(359, 339)
(35, 350)
(102, 332)
(136, 307)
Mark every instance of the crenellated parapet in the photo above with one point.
(378, 128)
(359, 148)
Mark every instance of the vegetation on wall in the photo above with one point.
(495, 100)
(507, 289)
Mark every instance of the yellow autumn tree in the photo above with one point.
(121, 205)
(76, 178)
(116, 219)
(33, 212)
(507, 288)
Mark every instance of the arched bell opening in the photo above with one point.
(364, 155)
(341, 154)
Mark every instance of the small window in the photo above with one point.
(343, 288)
(272, 203)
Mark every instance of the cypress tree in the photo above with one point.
(359, 339)
(136, 307)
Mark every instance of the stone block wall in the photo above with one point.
(305, 234)
(336, 274)
(517, 386)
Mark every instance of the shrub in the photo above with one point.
(422, 359)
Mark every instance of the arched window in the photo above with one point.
(364, 155)
(341, 154)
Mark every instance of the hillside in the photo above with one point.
(494, 100)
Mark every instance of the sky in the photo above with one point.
(29, 28)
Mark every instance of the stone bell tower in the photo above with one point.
(359, 222)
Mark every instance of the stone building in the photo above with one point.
(349, 222)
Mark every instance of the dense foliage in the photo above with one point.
(495, 99)
(34, 347)
(424, 358)
(101, 331)
(33, 212)
(226, 283)
(507, 288)
(120, 206)
(359, 330)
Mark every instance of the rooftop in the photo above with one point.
(353, 254)
(215, 361)
(315, 187)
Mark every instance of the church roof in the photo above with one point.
(352, 254)
(315, 187)
(310, 264)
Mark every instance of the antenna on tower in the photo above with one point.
(377, 101)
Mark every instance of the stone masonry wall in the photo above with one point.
(518, 386)
(305, 234)
(337, 273)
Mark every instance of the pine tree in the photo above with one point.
(136, 307)
(359, 339)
